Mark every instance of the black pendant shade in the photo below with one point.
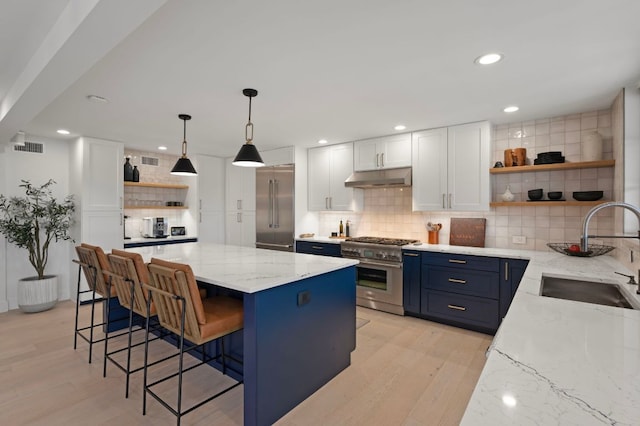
(248, 156)
(183, 166)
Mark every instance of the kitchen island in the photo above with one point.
(556, 361)
(299, 318)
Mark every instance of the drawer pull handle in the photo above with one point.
(457, 281)
(457, 308)
(317, 247)
(412, 254)
(457, 261)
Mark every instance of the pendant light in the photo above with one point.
(183, 166)
(248, 156)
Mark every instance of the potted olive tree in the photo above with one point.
(33, 222)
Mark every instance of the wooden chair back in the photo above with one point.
(170, 293)
(124, 275)
(93, 273)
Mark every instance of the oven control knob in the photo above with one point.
(394, 257)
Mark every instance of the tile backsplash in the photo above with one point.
(387, 212)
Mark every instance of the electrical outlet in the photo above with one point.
(519, 239)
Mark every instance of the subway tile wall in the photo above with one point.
(387, 212)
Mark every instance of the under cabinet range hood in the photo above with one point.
(380, 178)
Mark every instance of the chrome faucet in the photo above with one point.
(596, 209)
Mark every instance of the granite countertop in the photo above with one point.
(244, 269)
(557, 361)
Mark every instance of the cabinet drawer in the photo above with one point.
(470, 310)
(323, 249)
(462, 261)
(457, 280)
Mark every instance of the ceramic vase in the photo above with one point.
(508, 195)
(591, 146)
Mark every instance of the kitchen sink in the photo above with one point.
(584, 291)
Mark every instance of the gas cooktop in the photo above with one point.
(381, 240)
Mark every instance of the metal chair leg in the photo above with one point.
(75, 334)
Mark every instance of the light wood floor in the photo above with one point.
(405, 371)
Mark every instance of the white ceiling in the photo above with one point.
(339, 70)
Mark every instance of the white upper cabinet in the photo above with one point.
(102, 174)
(241, 187)
(450, 168)
(387, 152)
(328, 168)
(211, 198)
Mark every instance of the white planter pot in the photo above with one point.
(35, 295)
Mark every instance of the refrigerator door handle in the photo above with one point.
(270, 212)
(276, 208)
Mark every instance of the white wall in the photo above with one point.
(37, 168)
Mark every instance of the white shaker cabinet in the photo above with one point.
(388, 152)
(241, 228)
(211, 199)
(240, 205)
(328, 167)
(450, 168)
(96, 180)
(240, 188)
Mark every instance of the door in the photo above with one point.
(468, 162)
(341, 167)
(319, 178)
(429, 160)
(396, 151)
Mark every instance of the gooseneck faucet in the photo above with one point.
(596, 209)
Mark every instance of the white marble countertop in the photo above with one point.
(245, 269)
(557, 361)
(159, 240)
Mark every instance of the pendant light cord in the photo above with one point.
(249, 126)
(184, 140)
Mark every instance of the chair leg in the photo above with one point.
(106, 333)
(146, 357)
(75, 334)
(131, 304)
(93, 310)
(180, 363)
(224, 363)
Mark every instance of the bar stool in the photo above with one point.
(93, 262)
(128, 273)
(175, 292)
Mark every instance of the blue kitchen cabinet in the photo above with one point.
(461, 290)
(322, 249)
(411, 276)
(511, 272)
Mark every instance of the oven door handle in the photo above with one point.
(384, 265)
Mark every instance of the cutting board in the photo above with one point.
(467, 232)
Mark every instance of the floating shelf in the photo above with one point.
(545, 203)
(156, 207)
(552, 167)
(156, 185)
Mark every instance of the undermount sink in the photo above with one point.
(584, 291)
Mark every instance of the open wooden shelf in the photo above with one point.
(156, 185)
(546, 203)
(552, 167)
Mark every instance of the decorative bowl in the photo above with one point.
(535, 194)
(594, 249)
(587, 195)
(554, 195)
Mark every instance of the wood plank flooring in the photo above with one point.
(404, 371)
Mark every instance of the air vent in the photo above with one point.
(35, 147)
(150, 161)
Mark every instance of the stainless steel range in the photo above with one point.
(379, 273)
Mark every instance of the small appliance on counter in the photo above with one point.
(178, 231)
(155, 227)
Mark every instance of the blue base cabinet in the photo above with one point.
(411, 278)
(471, 292)
(323, 249)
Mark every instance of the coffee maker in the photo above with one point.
(155, 227)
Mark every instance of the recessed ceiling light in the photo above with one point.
(63, 131)
(97, 99)
(322, 141)
(511, 108)
(489, 58)
(162, 148)
(400, 127)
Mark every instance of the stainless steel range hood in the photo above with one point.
(380, 178)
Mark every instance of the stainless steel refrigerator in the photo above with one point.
(275, 207)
